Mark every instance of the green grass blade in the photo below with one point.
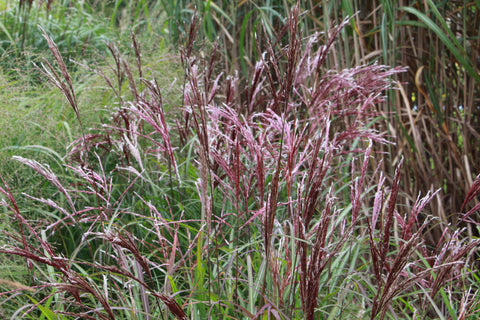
(222, 12)
(448, 303)
(451, 44)
(243, 32)
(445, 26)
(9, 36)
(46, 312)
(114, 13)
(384, 37)
(208, 25)
(251, 300)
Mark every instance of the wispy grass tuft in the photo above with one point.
(255, 200)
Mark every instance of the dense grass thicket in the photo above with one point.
(239, 160)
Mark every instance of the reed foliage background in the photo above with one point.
(239, 159)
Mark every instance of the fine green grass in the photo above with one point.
(146, 179)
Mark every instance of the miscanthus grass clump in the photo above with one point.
(254, 199)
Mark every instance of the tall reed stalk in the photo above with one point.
(263, 196)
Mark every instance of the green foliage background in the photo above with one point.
(433, 118)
